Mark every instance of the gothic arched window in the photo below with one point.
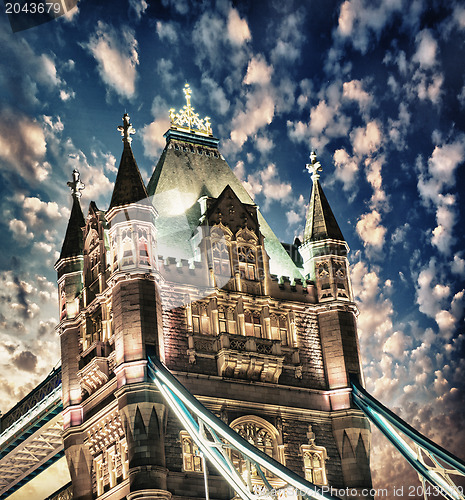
(314, 458)
(260, 434)
(221, 262)
(144, 256)
(226, 320)
(191, 459)
(200, 318)
(247, 263)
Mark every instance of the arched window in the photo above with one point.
(247, 263)
(221, 263)
(191, 459)
(127, 247)
(144, 257)
(260, 434)
(200, 319)
(226, 320)
(314, 458)
(253, 324)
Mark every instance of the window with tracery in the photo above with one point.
(314, 458)
(247, 263)
(191, 459)
(200, 319)
(279, 328)
(260, 434)
(227, 321)
(62, 304)
(127, 248)
(144, 256)
(221, 263)
(253, 324)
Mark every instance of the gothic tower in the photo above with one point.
(188, 270)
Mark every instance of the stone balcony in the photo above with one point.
(250, 358)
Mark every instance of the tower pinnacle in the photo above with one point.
(76, 185)
(127, 129)
(314, 167)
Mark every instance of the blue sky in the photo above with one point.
(377, 88)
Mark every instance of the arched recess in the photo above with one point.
(261, 434)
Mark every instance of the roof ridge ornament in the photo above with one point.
(314, 167)
(76, 185)
(186, 119)
(126, 129)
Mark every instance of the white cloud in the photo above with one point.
(22, 146)
(359, 22)
(259, 111)
(117, 57)
(427, 48)
(346, 168)
(138, 7)
(371, 231)
(20, 231)
(265, 182)
(238, 29)
(438, 175)
(258, 71)
(379, 199)
(353, 91)
(367, 140)
(152, 137)
(293, 217)
(167, 31)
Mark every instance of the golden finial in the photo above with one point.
(188, 120)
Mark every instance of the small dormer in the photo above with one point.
(229, 234)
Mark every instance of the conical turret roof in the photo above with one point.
(321, 223)
(129, 186)
(73, 244)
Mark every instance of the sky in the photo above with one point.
(377, 88)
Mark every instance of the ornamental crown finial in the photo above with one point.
(126, 129)
(314, 167)
(76, 185)
(186, 119)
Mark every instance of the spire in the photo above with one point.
(73, 242)
(321, 223)
(129, 186)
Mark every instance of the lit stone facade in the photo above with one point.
(185, 269)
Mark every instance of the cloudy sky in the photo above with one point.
(377, 88)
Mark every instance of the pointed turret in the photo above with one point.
(129, 186)
(324, 250)
(321, 223)
(73, 244)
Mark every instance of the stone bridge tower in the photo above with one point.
(187, 269)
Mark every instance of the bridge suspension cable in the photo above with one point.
(216, 441)
(442, 464)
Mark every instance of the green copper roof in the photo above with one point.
(184, 173)
(321, 223)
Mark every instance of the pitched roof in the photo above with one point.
(186, 171)
(73, 243)
(129, 186)
(321, 223)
